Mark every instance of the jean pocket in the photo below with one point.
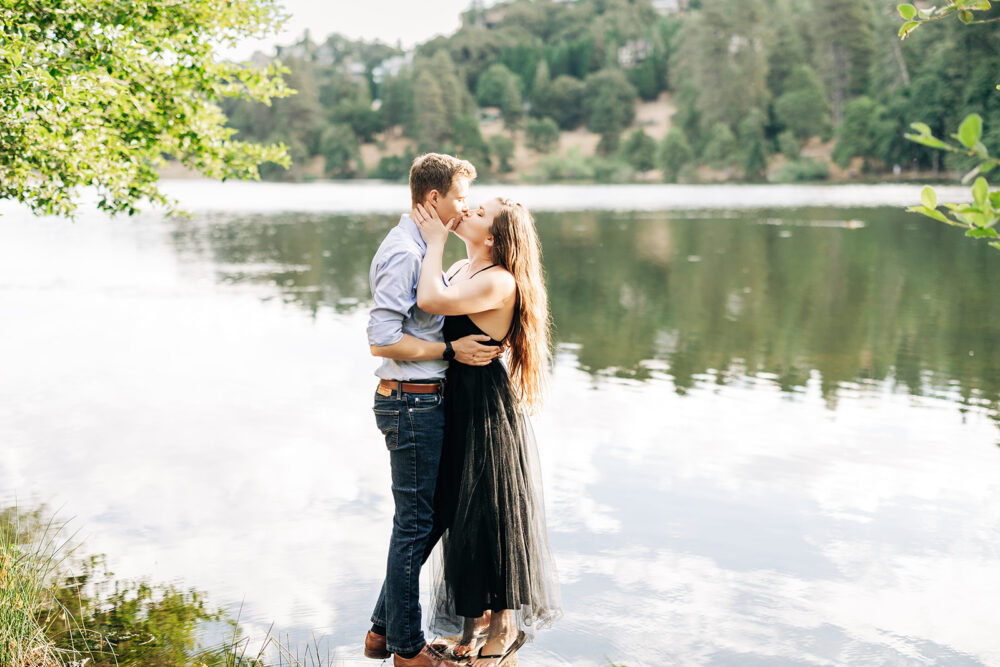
(388, 423)
(425, 401)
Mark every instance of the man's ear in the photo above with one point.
(432, 198)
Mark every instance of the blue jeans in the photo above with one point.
(413, 426)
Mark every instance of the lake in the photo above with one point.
(771, 434)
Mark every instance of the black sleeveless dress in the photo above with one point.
(495, 553)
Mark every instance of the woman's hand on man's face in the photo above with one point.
(430, 225)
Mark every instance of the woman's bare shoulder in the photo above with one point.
(501, 279)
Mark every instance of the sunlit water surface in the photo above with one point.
(771, 434)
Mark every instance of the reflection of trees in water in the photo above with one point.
(96, 619)
(895, 299)
(710, 295)
(313, 260)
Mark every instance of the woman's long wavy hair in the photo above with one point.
(516, 248)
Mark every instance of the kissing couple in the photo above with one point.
(461, 450)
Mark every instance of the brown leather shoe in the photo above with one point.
(429, 656)
(375, 646)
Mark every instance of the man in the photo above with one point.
(408, 405)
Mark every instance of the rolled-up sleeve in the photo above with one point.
(393, 283)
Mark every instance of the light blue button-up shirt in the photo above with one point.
(393, 278)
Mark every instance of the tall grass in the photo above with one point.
(53, 615)
(30, 554)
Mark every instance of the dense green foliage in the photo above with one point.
(979, 218)
(103, 106)
(585, 63)
(97, 92)
(588, 63)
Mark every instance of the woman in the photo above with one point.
(498, 573)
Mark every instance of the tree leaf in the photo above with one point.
(965, 16)
(907, 11)
(924, 128)
(982, 232)
(970, 130)
(933, 142)
(905, 29)
(980, 190)
(980, 5)
(931, 213)
(928, 197)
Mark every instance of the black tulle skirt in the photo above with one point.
(495, 554)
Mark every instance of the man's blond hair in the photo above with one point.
(436, 171)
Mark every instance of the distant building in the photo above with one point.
(634, 52)
(494, 17)
(391, 66)
(357, 69)
(304, 49)
(669, 6)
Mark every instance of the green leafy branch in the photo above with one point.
(963, 9)
(98, 93)
(981, 216)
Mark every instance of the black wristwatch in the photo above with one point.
(449, 351)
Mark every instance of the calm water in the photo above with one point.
(771, 436)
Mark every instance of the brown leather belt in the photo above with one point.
(386, 387)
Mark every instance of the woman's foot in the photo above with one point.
(472, 635)
(502, 640)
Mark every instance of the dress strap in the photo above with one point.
(458, 269)
(483, 269)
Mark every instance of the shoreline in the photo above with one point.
(369, 196)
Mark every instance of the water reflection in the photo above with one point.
(777, 475)
(90, 617)
(774, 295)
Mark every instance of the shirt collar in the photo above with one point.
(410, 227)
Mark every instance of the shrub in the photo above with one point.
(788, 145)
(673, 154)
(804, 169)
(541, 135)
(571, 167)
(639, 150)
(721, 149)
(394, 167)
(565, 102)
(502, 148)
(339, 147)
